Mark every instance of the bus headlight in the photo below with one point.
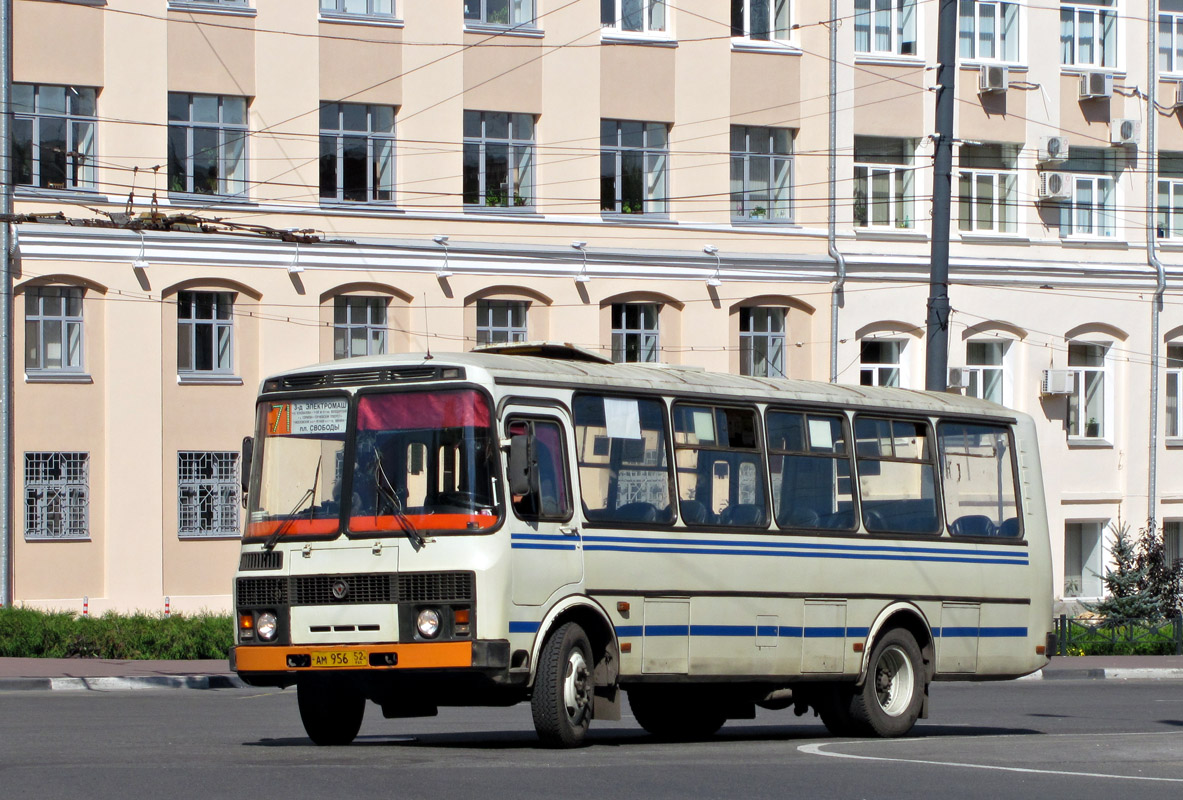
(428, 623)
(267, 626)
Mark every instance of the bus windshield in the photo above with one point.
(425, 461)
(297, 489)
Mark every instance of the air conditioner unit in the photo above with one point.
(1096, 84)
(958, 378)
(992, 78)
(1058, 381)
(1125, 131)
(1053, 149)
(1055, 186)
(1173, 96)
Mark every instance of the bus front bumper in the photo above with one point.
(258, 660)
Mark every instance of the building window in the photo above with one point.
(57, 496)
(53, 329)
(635, 16)
(633, 158)
(207, 494)
(1172, 539)
(1082, 559)
(206, 144)
(205, 332)
(879, 361)
(761, 173)
(356, 152)
(885, 27)
(500, 12)
(370, 8)
(763, 20)
(1169, 208)
(984, 363)
(498, 160)
(1088, 33)
(1092, 209)
(762, 342)
(884, 183)
(634, 332)
(988, 30)
(1170, 36)
(1086, 407)
(53, 136)
(1174, 390)
(359, 326)
(987, 201)
(501, 321)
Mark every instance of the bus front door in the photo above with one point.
(547, 552)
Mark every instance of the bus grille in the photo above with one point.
(317, 590)
(261, 591)
(264, 559)
(434, 587)
(358, 377)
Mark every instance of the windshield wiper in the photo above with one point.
(309, 494)
(383, 490)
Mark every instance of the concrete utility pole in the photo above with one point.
(936, 372)
(6, 319)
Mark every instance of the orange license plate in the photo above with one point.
(340, 658)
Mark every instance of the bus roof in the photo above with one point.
(577, 373)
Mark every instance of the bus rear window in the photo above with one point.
(977, 469)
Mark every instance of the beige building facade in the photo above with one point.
(215, 191)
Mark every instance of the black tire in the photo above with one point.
(889, 701)
(833, 705)
(563, 698)
(674, 713)
(330, 708)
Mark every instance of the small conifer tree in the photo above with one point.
(1161, 581)
(1126, 596)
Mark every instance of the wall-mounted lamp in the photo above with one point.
(294, 268)
(582, 277)
(442, 241)
(714, 280)
(140, 262)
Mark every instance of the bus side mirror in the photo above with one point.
(523, 465)
(248, 453)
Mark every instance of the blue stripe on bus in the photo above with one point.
(624, 631)
(790, 545)
(999, 632)
(796, 632)
(847, 556)
(524, 627)
(544, 547)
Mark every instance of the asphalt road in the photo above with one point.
(1046, 739)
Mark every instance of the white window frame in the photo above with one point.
(1092, 50)
(221, 333)
(974, 34)
(30, 112)
(778, 14)
(518, 13)
(636, 17)
(519, 153)
(626, 332)
(1173, 416)
(771, 149)
(1091, 211)
(70, 338)
(57, 496)
(900, 198)
(207, 483)
(1169, 219)
(887, 28)
(383, 9)
(654, 154)
(762, 333)
(882, 373)
(1172, 540)
(1093, 424)
(365, 314)
(489, 330)
(979, 373)
(379, 146)
(987, 200)
(1089, 550)
(231, 136)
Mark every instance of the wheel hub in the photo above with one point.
(576, 688)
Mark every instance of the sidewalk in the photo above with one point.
(110, 675)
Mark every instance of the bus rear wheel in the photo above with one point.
(563, 697)
(330, 708)
(890, 700)
(669, 712)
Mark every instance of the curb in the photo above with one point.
(113, 684)
(1110, 673)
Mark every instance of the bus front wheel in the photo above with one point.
(563, 688)
(890, 700)
(331, 709)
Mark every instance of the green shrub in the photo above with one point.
(28, 633)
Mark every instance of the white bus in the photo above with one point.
(534, 523)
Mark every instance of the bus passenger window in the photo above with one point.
(551, 498)
(977, 471)
(719, 469)
(810, 463)
(624, 476)
(897, 479)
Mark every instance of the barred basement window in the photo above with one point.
(57, 496)
(207, 494)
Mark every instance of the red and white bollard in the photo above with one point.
(168, 607)
(86, 606)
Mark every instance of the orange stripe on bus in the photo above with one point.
(423, 522)
(434, 655)
(294, 527)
